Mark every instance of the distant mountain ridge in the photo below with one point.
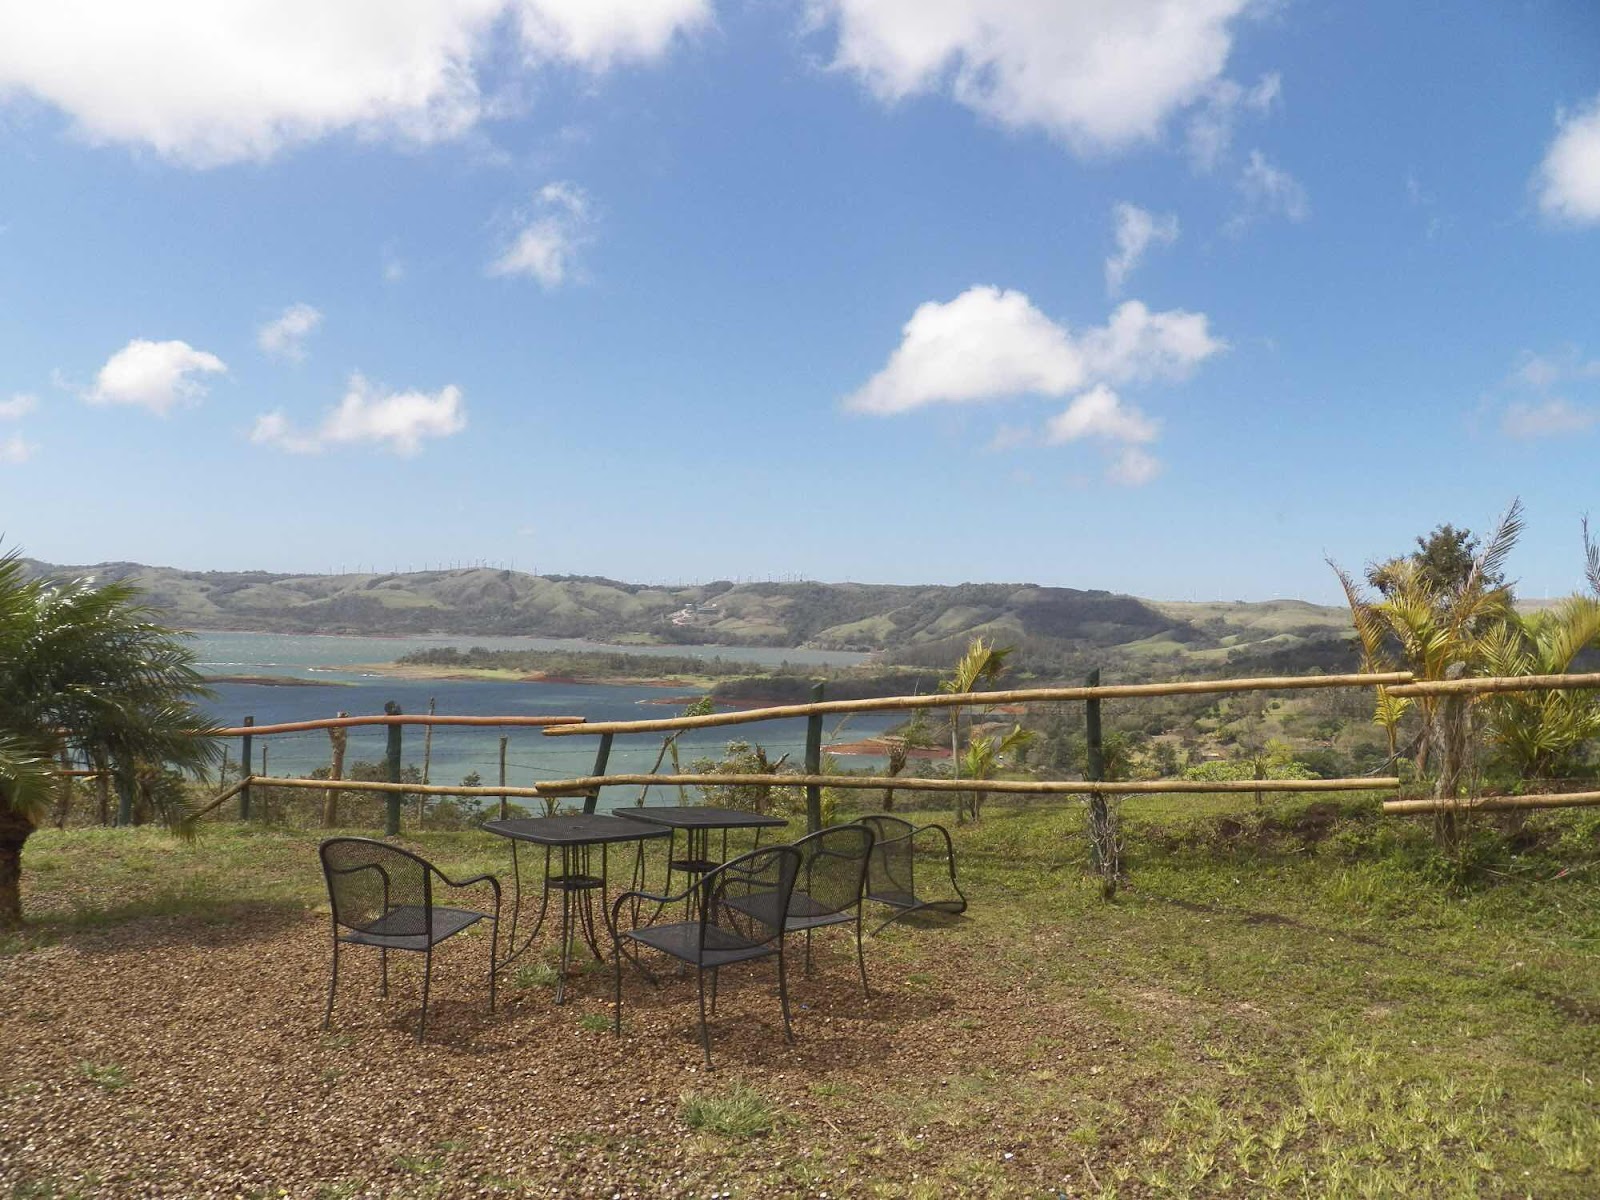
(871, 617)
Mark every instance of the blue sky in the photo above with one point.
(1164, 297)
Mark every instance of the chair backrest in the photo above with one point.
(369, 880)
(758, 885)
(889, 870)
(833, 868)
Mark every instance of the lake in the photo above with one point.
(530, 756)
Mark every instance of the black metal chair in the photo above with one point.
(892, 876)
(382, 896)
(737, 915)
(828, 888)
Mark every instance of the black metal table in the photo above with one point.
(697, 821)
(575, 835)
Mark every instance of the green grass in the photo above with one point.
(109, 1077)
(739, 1112)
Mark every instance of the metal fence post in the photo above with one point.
(601, 756)
(246, 765)
(395, 799)
(814, 763)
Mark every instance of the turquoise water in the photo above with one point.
(456, 751)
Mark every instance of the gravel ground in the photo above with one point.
(179, 1057)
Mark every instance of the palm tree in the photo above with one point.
(984, 662)
(86, 669)
(1440, 626)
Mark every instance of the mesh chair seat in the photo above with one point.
(805, 912)
(407, 927)
(683, 940)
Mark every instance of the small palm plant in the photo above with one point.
(1538, 733)
(983, 663)
(85, 669)
(986, 754)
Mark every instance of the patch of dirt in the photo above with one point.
(176, 1057)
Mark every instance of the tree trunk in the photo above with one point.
(14, 831)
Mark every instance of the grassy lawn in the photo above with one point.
(1301, 1001)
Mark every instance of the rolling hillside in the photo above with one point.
(907, 622)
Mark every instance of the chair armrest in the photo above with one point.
(466, 883)
(654, 897)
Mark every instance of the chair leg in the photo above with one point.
(494, 951)
(427, 973)
(616, 1012)
(333, 984)
(716, 976)
(861, 956)
(808, 954)
(783, 994)
(705, 1029)
(383, 956)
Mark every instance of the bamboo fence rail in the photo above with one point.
(386, 719)
(1496, 683)
(1494, 803)
(914, 783)
(1114, 691)
(379, 785)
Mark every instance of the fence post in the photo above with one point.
(814, 763)
(394, 799)
(503, 740)
(427, 763)
(246, 765)
(601, 756)
(1102, 831)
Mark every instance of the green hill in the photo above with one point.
(913, 624)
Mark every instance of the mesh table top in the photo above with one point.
(699, 816)
(573, 829)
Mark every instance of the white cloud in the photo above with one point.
(1210, 131)
(989, 344)
(1270, 191)
(14, 451)
(397, 421)
(1542, 371)
(547, 245)
(1134, 467)
(1137, 344)
(285, 337)
(1569, 177)
(205, 83)
(598, 33)
(1099, 75)
(20, 405)
(154, 375)
(1100, 412)
(1136, 231)
(1548, 418)
(986, 344)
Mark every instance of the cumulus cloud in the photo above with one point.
(1268, 191)
(285, 336)
(367, 415)
(1568, 180)
(204, 83)
(1210, 130)
(154, 375)
(551, 235)
(14, 450)
(1547, 418)
(598, 33)
(20, 405)
(1136, 231)
(991, 343)
(1099, 76)
(1100, 412)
